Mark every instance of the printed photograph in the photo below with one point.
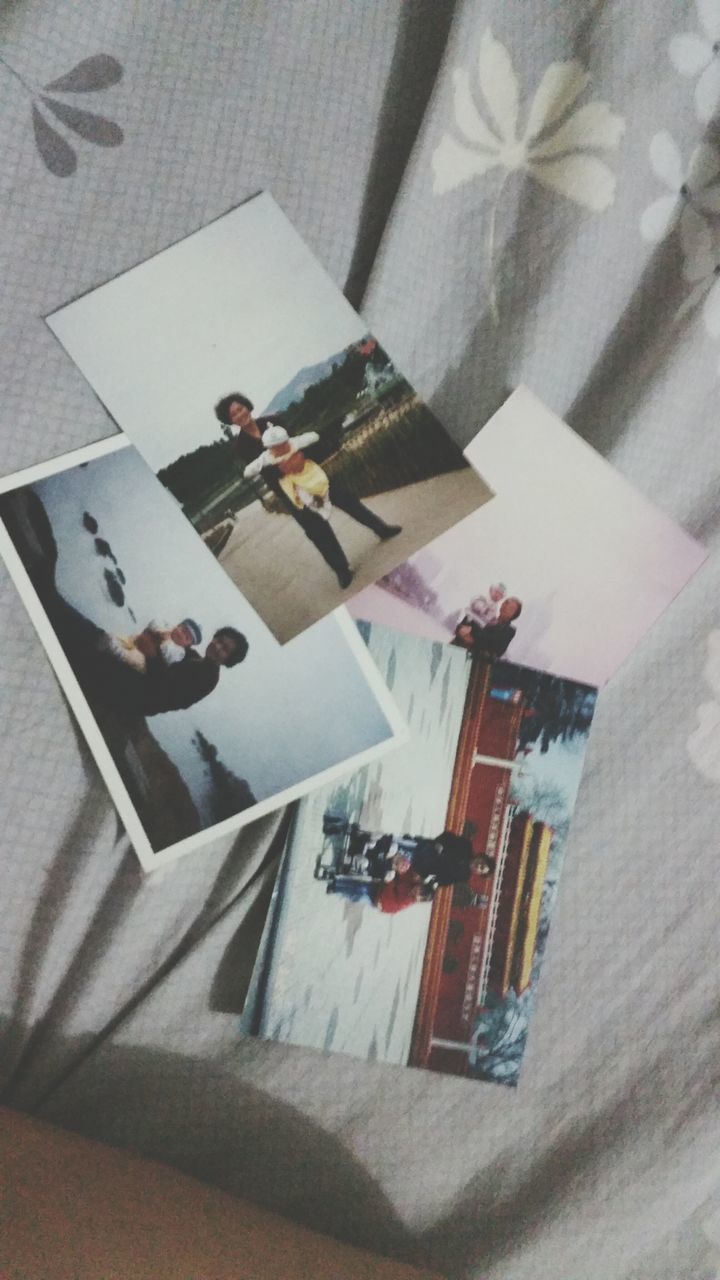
(565, 570)
(414, 898)
(301, 456)
(198, 719)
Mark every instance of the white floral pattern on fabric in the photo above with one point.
(555, 147)
(704, 743)
(692, 54)
(698, 189)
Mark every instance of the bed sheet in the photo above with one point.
(511, 192)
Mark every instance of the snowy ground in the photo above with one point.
(343, 976)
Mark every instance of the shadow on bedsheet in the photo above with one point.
(205, 1119)
(201, 1117)
(34, 1056)
(597, 400)
(231, 983)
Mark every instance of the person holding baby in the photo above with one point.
(265, 447)
(303, 482)
(487, 626)
(157, 641)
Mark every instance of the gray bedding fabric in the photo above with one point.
(583, 264)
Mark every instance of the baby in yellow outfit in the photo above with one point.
(301, 480)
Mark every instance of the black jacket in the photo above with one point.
(447, 857)
(113, 684)
(491, 641)
(449, 863)
(176, 687)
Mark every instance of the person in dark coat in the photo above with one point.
(105, 680)
(176, 687)
(159, 688)
(446, 859)
(494, 639)
(236, 410)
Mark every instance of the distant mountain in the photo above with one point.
(298, 385)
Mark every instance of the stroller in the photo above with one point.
(356, 862)
(347, 852)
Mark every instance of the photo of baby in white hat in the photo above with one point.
(160, 640)
(302, 480)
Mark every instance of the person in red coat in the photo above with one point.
(404, 890)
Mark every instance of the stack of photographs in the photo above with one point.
(189, 576)
(412, 909)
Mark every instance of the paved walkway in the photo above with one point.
(285, 578)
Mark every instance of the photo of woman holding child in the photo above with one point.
(303, 487)
(322, 428)
(189, 717)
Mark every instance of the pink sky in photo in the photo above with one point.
(592, 560)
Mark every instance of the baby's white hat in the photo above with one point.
(274, 435)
